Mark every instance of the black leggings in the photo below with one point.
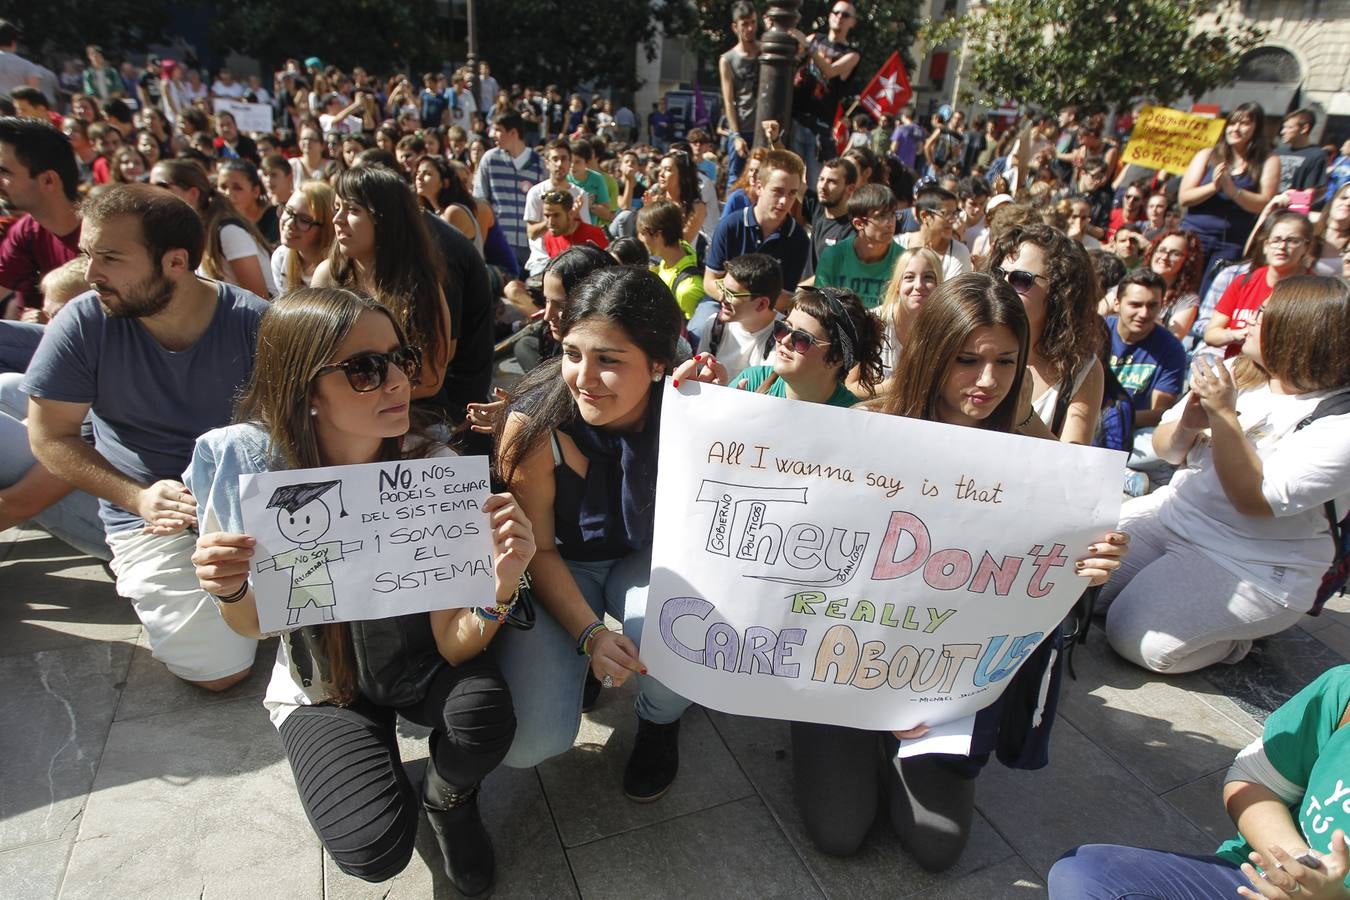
(840, 774)
(351, 778)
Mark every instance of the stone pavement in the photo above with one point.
(118, 781)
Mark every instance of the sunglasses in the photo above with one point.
(842, 13)
(1020, 280)
(801, 341)
(728, 294)
(367, 371)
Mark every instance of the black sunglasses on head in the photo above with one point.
(367, 371)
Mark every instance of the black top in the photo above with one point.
(468, 378)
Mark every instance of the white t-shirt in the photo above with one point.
(334, 125)
(236, 243)
(286, 692)
(280, 257)
(462, 107)
(741, 349)
(1284, 555)
(534, 212)
(233, 89)
(956, 261)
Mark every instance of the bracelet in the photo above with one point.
(587, 635)
(500, 611)
(236, 596)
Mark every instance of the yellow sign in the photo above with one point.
(1166, 138)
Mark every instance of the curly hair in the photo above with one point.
(1192, 267)
(1070, 335)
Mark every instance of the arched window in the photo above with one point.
(1272, 65)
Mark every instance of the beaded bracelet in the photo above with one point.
(587, 635)
(500, 612)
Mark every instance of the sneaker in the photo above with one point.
(654, 762)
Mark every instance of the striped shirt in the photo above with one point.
(504, 185)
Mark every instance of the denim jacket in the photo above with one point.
(219, 458)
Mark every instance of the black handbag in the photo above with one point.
(396, 658)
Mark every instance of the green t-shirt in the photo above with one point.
(839, 266)
(755, 375)
(1304, 745)
(593, 184)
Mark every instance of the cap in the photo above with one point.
(996, 201)
(291, 497)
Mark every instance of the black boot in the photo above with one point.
(453, 813)
(590, 692)
(655, 760)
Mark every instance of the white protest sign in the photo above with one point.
(248, 116)
(345, 543)
(821, 564)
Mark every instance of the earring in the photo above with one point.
(313, 411)
(657, 377)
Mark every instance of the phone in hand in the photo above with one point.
(1300, 201)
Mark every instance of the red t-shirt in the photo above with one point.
(584, 234)
(1241, 300)
(30, 251)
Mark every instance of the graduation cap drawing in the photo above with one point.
(292, 497)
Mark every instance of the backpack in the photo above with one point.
(1333, 582)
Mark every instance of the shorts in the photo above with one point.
(303, 595)
(181, 621)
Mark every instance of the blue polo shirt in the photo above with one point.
(739, 234)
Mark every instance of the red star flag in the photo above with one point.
(888, 90)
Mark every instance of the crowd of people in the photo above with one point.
(189, 301)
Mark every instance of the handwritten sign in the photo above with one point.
(248, 116)
(829, 565)
(345, 543)
(1166, 138)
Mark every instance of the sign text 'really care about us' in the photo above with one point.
(831, 565)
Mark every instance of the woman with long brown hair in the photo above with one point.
(235, 250)
(382, 248)
(331, 386)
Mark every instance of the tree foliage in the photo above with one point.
(57, 29)
(1047, 53)
(883, 27)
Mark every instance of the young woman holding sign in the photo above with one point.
(331, 386)
(578, 446)
(964, 364)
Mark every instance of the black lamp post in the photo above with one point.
(777, 53)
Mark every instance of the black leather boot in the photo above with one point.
(453, 813)
(655, 760)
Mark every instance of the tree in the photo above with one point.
(59, 29)
(1048, 53)
(381, 35)
(883, 27)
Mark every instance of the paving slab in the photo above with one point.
(530, 859)
(1153, 726)
(1083, 797)
(192, 802)
(880, 868)
(153, 690)
(1201, 802)
(1011, 879)
(57, 598)
(55, 713)
(584, 786)
(34, 871)
(1336, 637)
(1276, 669)
(732, 850)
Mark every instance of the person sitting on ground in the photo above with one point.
(238, 180)
(1332, 233)
(307, 235)
(558, 160)
(677, 181)
(917, 274)
(741, 334)
(1147, 360)
(744, 191)
(830, 219)
(592, 182)
(766, 227)
(1277, 793)
(278, 179)
(1110, 271)
(332, 387)
(157, 353)
(1053, 276)
(561, 276)
(974, 195)
(563, 226)
(236, 252)
(1177, 256)
(660, 228)
(864, 262)
(42, 182)
(1286, 249)
(1242, 530)
(938, 213)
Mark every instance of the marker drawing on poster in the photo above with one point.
(829, 565)
(345, 543)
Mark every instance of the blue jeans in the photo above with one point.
(18, 343)
(803, 142)
(736, 163)
(545, 674)
(1111, 872)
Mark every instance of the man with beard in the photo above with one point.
(830, 221)
(157, 354)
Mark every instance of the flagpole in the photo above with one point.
(777, 55)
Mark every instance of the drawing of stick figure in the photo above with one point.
(304, 519)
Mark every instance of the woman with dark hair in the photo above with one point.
(331, 386)
(964, 364)
(128, 166)
(1242, 531)
(677, 181)
(1286, 249)
(440, 191)
(497, 250)
(1226, 187)
(152, 151)
(1054, 277)
(238, 180)
(1332, 234)
(236, 252)
(383, 249)
(1177, 256)
(578, 447)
